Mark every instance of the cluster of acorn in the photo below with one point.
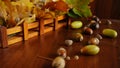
(93, 25)
(91, 48)
(59, 61)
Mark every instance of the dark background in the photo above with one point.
(109, 9)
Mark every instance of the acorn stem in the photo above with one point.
(45, 58)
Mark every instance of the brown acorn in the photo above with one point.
(99, 36)
(88, 30)
(94, 25)
(94, 41)
(77, 37)
(62, 52)
(95, 18)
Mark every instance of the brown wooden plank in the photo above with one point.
(61, 17)
(25, 31)
(48, 21)
(55, 24)
(33, 25)
(13, 30)
(14, 40)
(48, 29)
(41, 26)
(32, 34)
(3, 37)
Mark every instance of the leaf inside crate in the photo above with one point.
(12, 14)
(14, 11)
(58, 5)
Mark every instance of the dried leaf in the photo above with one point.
(49, 5)
(61, 6)
(58, 5)
(11, 18)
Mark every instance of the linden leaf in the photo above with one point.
(77, 12)
(72, 14)
(80, 7)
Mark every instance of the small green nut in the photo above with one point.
(76, 24)
(110, 33)
(90, 50)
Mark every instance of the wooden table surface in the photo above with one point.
(25, 54)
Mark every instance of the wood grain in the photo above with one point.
(26, 55)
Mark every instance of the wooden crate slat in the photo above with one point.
(61, 24)
(61, 17)
(13, 30)
(48, 29)
(56, 21)
(25, 30)
(3, 37)
(32, 25)
(48, 21)
(14, 39)
(41, 26)
(32, 34)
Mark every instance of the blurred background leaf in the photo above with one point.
(79, 7)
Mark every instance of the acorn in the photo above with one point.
(68, 58)
(110, 33)
(68, 42)
(77, 37)
(58, 62)
(92, 21)
(94, 41)
(76, 57)
(99, 36)
(76, 24)
(94, 25)
(95, 18)
(99, 21)
(62, 52)
(88, 30)
(90, 50)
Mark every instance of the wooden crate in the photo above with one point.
(47, 25)
(6, 35)
(28, 30)
(58, 24)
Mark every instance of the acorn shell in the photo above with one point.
(94, 41)
(77, 37)
(88, 31)
(58, 62)
(68, 42)
(62, 52)
(90, 50)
